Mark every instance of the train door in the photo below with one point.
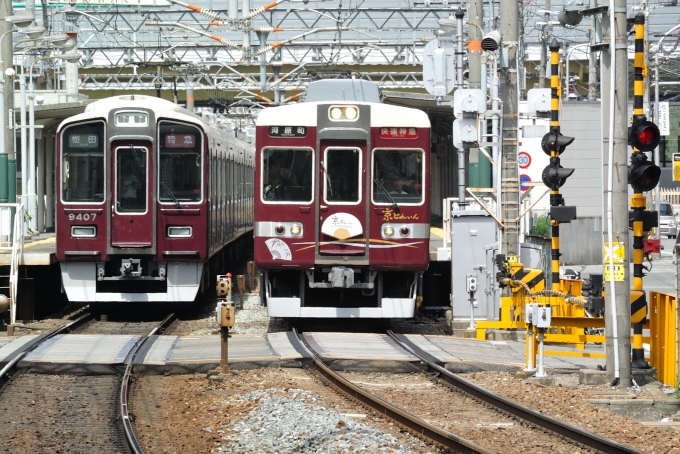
(342, 207)
(132, 221)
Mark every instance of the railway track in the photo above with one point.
(528, 423)
(68, 413)
(573, 434)
(403, 418)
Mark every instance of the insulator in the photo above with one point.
(255, 12)
(226, 42)
(264, 29)
(210, 13)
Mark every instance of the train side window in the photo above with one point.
(82, 165)
(181, 165)
(398, 175)
(287, 175)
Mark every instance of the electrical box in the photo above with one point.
(465, 132)
(468, 101)
(539, 101)
(226, 315)
(529, 313)
(542, 316)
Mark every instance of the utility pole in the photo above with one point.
(544, 47)
(509, 28)
(615, 164)
(595, 38)
(479, 167)
(7, 178)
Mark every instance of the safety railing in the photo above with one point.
(12, 240)
(663, 337)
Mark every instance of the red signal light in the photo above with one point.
(646, 137)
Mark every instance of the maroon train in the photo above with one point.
(149, 197)
(342, 213)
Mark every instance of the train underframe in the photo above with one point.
(141, 278)
(341, 292)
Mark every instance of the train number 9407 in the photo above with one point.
(82, 217)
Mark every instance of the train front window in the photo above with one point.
(82, 163)
(398, 175)
(342, 175)
(180, 162)
(287, 175)
(131, 186)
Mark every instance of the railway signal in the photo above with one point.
(643, 134)
(554, 175)
(555, 142)
(643, 175)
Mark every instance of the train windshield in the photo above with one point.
(131, 165)
(82, 165)
(398, 175)
(343, 175)
(287, 175)
(180, 162)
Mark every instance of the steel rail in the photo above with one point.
(130, 437)
(573, 433)
(11, 365)
(412, 423)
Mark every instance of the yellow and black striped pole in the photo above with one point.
(638, 203)
(555, 198)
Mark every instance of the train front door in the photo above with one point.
(342, 200)
(132, 221)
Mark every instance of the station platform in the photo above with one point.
(192, 354)
(39, 250)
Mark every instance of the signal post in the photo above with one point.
(643, 135)
(554, 175)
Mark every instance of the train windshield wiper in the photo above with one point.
(328, 180)
(138, 158)
(172, 196)
(387, 194)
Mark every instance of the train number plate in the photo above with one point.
(82, 217)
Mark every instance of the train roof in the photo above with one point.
(160, 107)
(304, 114)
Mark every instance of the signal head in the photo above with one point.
(554, 141)
(554, 177)
(642, 174)
(643, 134)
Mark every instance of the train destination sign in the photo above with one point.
(180, 140)
(83, 140)
(398, 133)
(287, 131)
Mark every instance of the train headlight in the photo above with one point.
(351, 113)
(83, 231)
(179, 232)
(343, 113)
(388, 230)
(279, 229)
(295, 230)
(404, 231)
